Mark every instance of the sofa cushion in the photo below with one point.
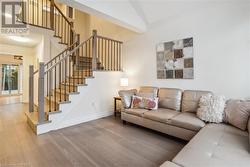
(237, 113)
(161, 115)
(216, 145)
(170, 98)
(188, 121)
(149, 89)
(248, 127)
(126, 97)
(147, 95)
(169, 164)
(135, 111)
(190, 100)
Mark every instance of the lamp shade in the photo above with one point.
(124, 82)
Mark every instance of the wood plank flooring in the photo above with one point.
(10, 99)
(101, 143)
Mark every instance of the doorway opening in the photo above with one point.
(10, 79)
(11, 69)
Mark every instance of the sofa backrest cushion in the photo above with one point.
(149, 90)
(237, 113)
(190, 100)
(248, 127)
(126, 97)
(170, 98)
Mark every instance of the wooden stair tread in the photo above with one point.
(72, 84)
(62, 91)
(46, 109)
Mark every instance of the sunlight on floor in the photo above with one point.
(10, 99)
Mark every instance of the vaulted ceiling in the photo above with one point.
(137, 15)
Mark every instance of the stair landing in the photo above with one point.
(32, 120)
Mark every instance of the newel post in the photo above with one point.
(52, 7)
(41, 113)
(94, 52)
(31, 88)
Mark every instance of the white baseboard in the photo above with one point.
(41, 129)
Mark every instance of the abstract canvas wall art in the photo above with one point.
(175, 59)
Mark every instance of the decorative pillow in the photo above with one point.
(144, 103)
(211, 108)
(237, 113)
(126, 97)
(151, 103)
(137, 102)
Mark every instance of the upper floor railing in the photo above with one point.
(109, 53)
(46, 14)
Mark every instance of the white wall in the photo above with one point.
(94, 101)
(221, 33)
(48, 47)
(110, 30)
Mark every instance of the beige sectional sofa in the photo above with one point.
(210, 145)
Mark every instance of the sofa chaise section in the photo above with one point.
(216, 145)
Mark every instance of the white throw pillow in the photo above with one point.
(211, 108)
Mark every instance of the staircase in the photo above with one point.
(55, 81)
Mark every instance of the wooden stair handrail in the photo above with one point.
(61, 53)
(67, 55)
(106, 38)
(46, 14)
(63, 15)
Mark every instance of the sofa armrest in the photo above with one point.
(122, 108)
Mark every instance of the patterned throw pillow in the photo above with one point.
(211, 108)
(151, 103)
(144, 103)
(137, 102)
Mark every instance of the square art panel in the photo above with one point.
(175, 59)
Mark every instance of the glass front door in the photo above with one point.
(10, 79)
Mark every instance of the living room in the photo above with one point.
(166, 83)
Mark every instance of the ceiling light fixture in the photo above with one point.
(20, 39)
(18, 57)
